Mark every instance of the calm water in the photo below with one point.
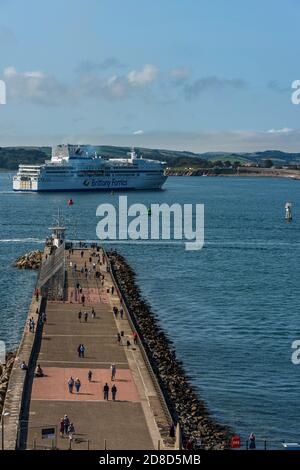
(232, 309)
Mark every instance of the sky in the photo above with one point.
(197, 75)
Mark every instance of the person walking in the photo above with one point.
(77, 384)
(119, 338)
(83, 300)
(93, 313)
(90, 375)
(79, 316)
(135, 337)
(86, 316)
(113, 371)
(121, 313)
(172, 430)
(71, 431)
(71, 384)
(106, 391)
(61, 427)
(113, 392)
(112, 290)
(82, 350)
(66, 424)
(115, 311)
(252, 444)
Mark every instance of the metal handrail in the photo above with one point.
(51, 266)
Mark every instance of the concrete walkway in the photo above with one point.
(135, 419)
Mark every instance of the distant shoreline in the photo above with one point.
(242, 172)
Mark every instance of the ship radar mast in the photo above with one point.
(133, 154)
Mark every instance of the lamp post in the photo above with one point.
(6, 413)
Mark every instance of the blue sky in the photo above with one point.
(195, 74)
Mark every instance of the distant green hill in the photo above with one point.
(11, 157)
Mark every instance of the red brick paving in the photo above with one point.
(122, 423)
(91, 295)
(54, 385)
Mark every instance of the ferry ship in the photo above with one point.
(75, 168)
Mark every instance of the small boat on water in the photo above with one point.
(288, 211)
(291, 446)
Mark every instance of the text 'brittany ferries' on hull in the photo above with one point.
(75, 168)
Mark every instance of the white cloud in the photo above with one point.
(37, 87)
(139, 132)
(284, 130)
(144, 76)
(9, 72)
(34, 86)
(115, 87)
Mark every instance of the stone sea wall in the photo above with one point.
(31, 260)
(5, 370)
(182, 399)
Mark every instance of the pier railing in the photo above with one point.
(17, 397)
(52, 274)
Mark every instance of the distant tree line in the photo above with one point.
(11, 157)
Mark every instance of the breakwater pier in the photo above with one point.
(73, 279)
(98, 372)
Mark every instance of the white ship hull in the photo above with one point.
(90, 183)
(73, 169)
